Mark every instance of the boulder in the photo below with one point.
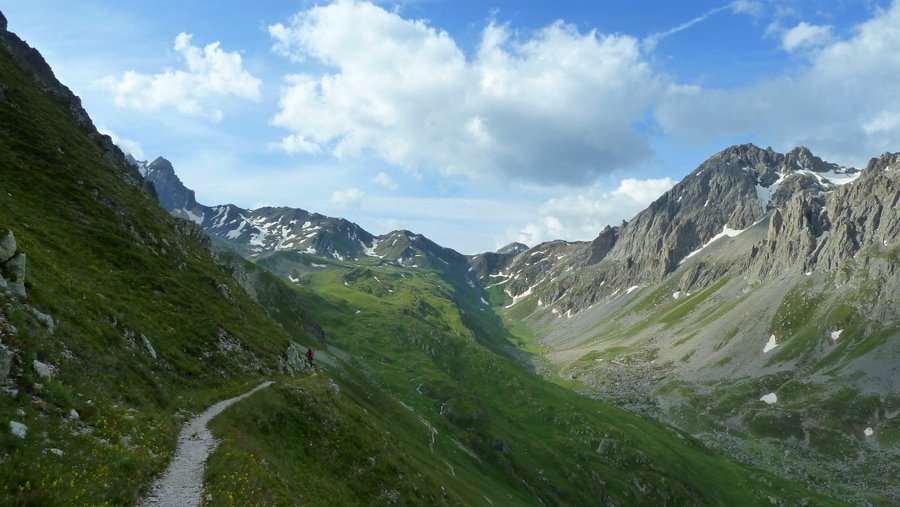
(18, 429)
(44, 319)
(7, 244)
(14, 272)
(148, 347)
(43, 370)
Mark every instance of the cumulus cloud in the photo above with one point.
(583, 214)
(348, 198)
(210, 74)
(555, 105)
(805, 35)
(126, 145)
(842, 104)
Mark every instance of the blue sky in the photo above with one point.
(476, 123)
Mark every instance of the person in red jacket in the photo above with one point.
(309, 356)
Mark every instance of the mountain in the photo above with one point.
(261, 230)
(729, 193)
(123, 323)
(748, 305)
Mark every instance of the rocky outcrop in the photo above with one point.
(486, 263)
(294, 360)
(170, 191)
(604, 243)
(12, 264)
(852, 232)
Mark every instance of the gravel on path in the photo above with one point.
(182, 482)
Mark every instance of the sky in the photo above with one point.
(476, 123)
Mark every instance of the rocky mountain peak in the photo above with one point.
(171, 192)
(3, 23)
(513, 248)
(162, 165)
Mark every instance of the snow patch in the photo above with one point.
(725, 232)
(765, 193)
(868, 432)
(676, 294)
(259, 238)
(771, 344)
(770, 399)
(838, 177)
(835, 335)
(370, 250)
(234, 233)
(632, 289)
(519, 297)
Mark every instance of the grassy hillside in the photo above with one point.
(114, 272)
(454, 416)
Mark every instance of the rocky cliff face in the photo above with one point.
(172, 193)
(852, 232)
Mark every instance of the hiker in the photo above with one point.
(309, 356)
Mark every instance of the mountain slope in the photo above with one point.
(741, 306)
(125, 319)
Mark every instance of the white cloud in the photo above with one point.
(554, 105)
(294, 144)
(384, 179)
(211, 74)
(348, 198)
(751, 7)
(652, 40)
(126, 145)
(581, 215)
(805, 35)
(840, 104)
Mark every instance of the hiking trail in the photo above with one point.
(182, 482)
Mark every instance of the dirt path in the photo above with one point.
(182, 482)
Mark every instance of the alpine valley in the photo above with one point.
(735, 343)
